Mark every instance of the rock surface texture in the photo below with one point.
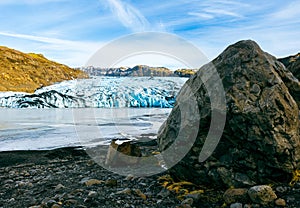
(292, 63)
(260, 141)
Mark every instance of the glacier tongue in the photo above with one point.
(100, 92)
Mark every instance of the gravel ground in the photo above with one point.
(69, 178)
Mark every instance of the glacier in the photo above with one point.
(100, 92)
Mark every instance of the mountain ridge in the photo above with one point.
(26, 72)
(138, 71)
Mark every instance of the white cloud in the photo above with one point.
(129, 16)
(291, 11)
(7, 2)
(72, 53)
(221, 12)
(202, 15)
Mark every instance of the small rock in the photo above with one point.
(111, 182)
(129, 177)
(194, 196)
(247, 206)
(92, 194)
(50, 203)
(8, 181)
(125, 191)
(235, 195)
(71, 202)
(262, 194)
(281, 189)
(92, 182)
(159, 201)
(11, 200)
(280, 202)
(189, 201)
(236, 205)
(56, 206)
(119, 154)
(140, 194)
(163, 193)
(59, 187)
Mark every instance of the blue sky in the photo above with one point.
(70, 31)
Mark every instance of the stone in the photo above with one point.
(236, 195)
(262, 194)
(122, 154)
(70, 202)
(92, 194)
(55, 206)
(163, 193)
(140, 194)
(50, 202)
(260, 141)
(92, 182)
(126, 191)
(58, 188)
(111, 182)
(189, 201)
(280, 202)
(282, 189)
(292, 63)
(236, 205)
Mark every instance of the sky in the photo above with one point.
(71, 31)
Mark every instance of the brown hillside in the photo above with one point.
(26, 72)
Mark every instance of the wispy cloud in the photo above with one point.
(201, 15)
(73, 53)
(129, 16)
(289, 12)
(7, 2)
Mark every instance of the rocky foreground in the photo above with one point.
(69, 178)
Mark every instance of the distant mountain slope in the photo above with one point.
(138, 71)
(292, 63)
(27, 72)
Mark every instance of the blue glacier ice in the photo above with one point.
(100, 92)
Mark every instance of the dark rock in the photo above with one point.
(236, 195)
(292, 63)
(261, 139)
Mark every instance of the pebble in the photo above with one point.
(235, 195)
(140, 194)
(59, 187)
(262, 194)
(125, 191)
(92, 194)
(189, 201)
(111, 182)
(280, 202)
(236, 205)
(50, 203)
(92, 182)
(163, 193)
(281, 189)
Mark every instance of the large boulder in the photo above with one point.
(260, 142)
(292, 63)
